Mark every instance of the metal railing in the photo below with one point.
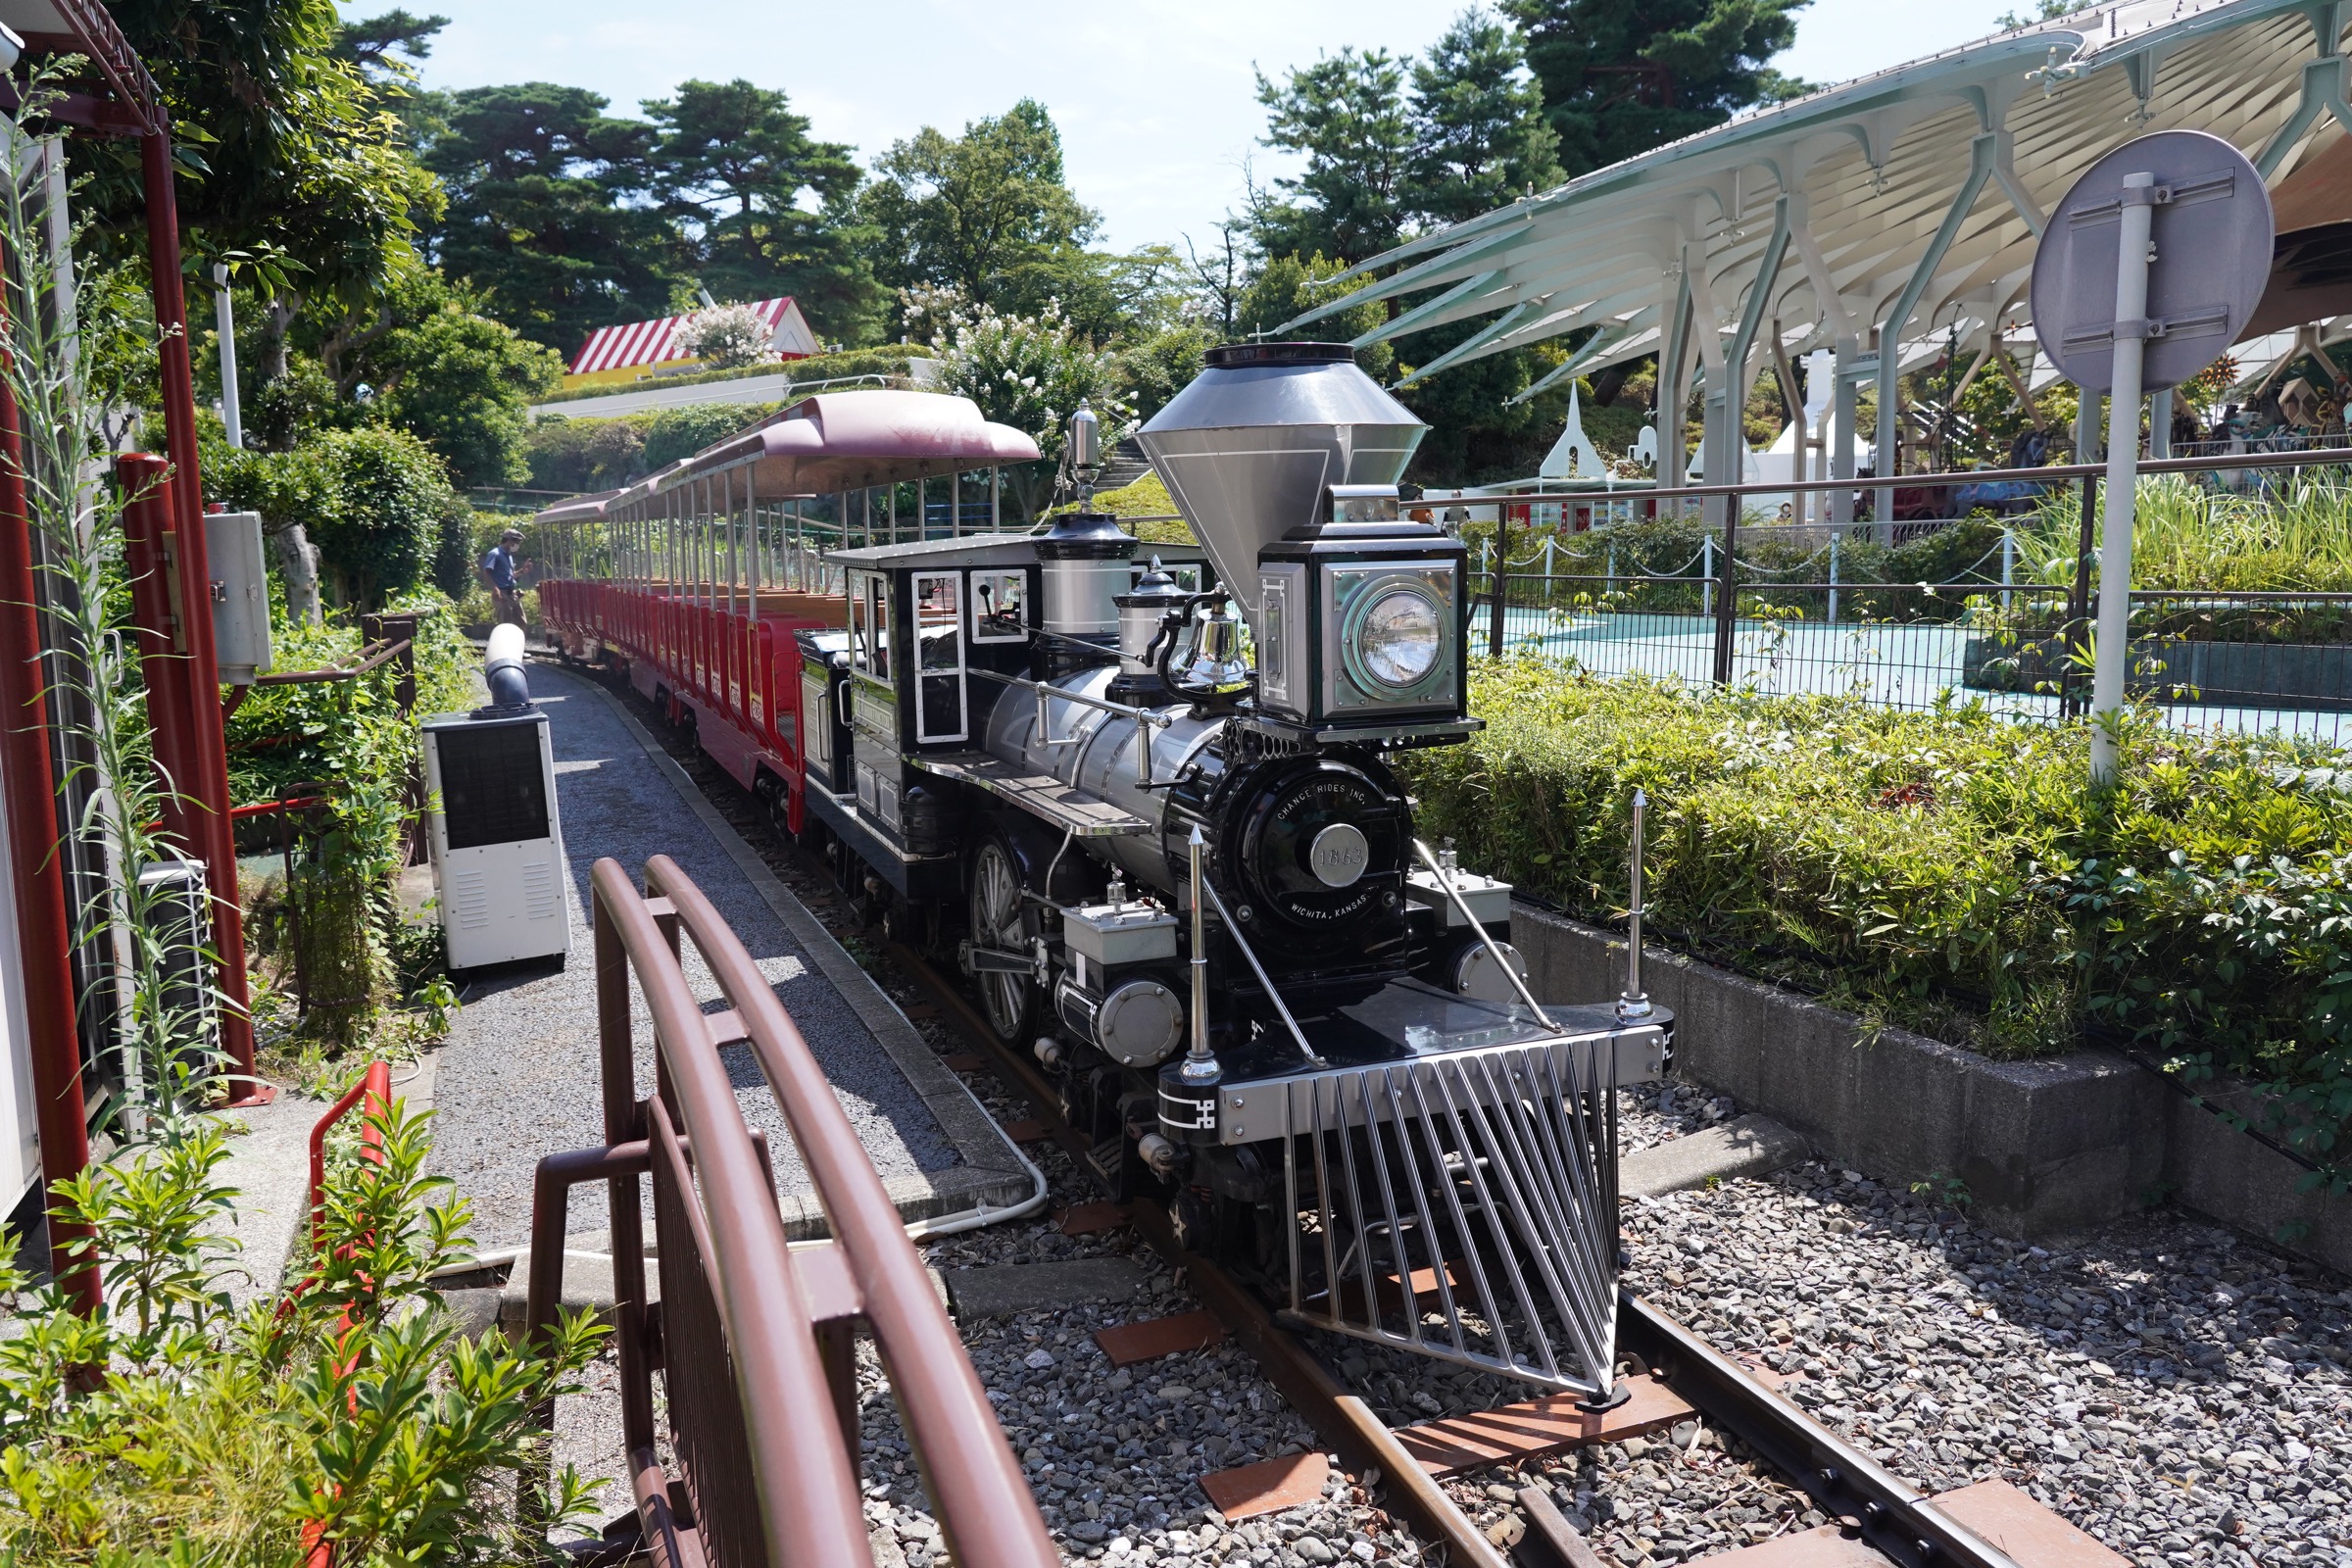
(2232, 659)
(753, 1336)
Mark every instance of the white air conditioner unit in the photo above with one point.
(497, 843)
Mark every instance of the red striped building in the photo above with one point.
(635, 349)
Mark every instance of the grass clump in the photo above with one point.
(178, 1429)
(1948, 870)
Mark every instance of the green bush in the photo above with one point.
(676, 433)
(345, 1405)
(318, 730)
(887, 359)
(585, 455)
(1949, 869)
(376, 503)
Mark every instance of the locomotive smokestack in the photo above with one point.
(1248, 450)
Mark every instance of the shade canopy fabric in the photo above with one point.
(1906, 204)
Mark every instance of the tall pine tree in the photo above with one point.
(765, 205)
(1621, 76)
(547, 219)
(1347, 116)
(1479, 137)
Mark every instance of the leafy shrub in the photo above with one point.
(346, 1408)
(1949, 866)
(374, 502)
(884, 360)
(728, 336)
(585, 455)
(1032, 372)
(676, 433)
(461, 382)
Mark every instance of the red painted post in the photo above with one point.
(211, 837)
(146, 489)
(36, 871)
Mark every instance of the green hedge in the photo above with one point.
(888, 358)
(1948, 870)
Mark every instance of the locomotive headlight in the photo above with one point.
(1398, 638)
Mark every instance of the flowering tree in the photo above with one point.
(1031, 371)
(728, 336)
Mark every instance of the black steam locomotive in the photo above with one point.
(1155, 822)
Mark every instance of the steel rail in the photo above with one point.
(1842, 1481)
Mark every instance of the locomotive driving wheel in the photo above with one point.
(1001, 921)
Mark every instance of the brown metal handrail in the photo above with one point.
(763, 1484)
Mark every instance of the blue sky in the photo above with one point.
(1156, 98)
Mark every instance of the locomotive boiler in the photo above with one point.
(1149, 806)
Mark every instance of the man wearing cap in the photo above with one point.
(497, 571)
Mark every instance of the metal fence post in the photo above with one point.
(1495, 616)
(1706, 570)
(1726, 603)
(2071, 643)
(1834, 536)
(2008, 566)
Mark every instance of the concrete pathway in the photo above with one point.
(517, 1079)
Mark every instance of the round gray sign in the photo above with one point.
(2210, 245)
(1338, 856)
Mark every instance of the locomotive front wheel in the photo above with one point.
(998, 921)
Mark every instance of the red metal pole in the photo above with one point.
(36, 871)
(171, 321)
(146, 519)
(213, 837)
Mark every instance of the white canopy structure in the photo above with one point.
(1871, 218)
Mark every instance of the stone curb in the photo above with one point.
(992, 1173)
(2042, 1147)
(1747, 1146)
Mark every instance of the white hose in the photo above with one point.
(921, 1230)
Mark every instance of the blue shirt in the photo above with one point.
(500, 568)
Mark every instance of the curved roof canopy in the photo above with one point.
(831, 442)
(1911, 200)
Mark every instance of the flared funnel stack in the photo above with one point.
(1248, 449)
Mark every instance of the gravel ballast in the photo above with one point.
(2177, 1390)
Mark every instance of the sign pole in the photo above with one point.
(2112, 650)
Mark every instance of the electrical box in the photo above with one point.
(232, 555)
(496, 839)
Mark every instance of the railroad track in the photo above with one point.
(1843, 1483)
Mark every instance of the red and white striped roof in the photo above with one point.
(615, 348)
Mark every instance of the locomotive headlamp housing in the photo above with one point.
(1396, 626)
(1396, 638)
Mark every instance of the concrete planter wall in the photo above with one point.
(2044, 1146)
(2312, 676)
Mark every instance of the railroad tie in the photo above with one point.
(1131, 1343)
(1538, 1427)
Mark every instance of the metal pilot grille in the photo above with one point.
(1463, 1207)
(698, 1371)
